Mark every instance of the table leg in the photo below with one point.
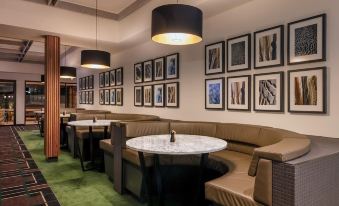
(77, 150)
(158, 179)
(200, 198)
(146, 178)
(62, 132)
(90, 134)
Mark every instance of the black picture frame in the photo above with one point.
(221, 70)
(138, 80)
(90, 97)
(163, 95)
(176, 104)
(101, 96)
(80, 83)
(177, 69)
(121, 103)
(91, 82)
(222, 105)
(323, 18)
(281, 91)
(249, 49)
(281, 56)
(101, 80)
(107, 80)
(112, 91)
(107, 96)
(163, 60)
(80, 97)
(119, 76)
(249, 90)
(141, 97)
(150, 87)
(112, 78)
(323, 96)
(145, 63)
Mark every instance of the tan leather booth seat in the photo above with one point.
(249, 155)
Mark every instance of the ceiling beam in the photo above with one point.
(24, 50)
(132, 8)
(10, 42)
(52, 2)
(10, 51)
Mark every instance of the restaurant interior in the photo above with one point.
(169, 103)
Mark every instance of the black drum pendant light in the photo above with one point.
(177, 24)
(95, 59)
(67, 72)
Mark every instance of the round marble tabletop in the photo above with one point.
(39, 112)
(184, 144)
(65, 116)
(90, 123)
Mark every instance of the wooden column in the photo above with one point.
(52, 97)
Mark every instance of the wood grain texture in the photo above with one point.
(52, 97)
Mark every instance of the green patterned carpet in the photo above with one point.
(72, 186)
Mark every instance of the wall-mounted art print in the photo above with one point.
(172, 94)
(87, 82)
(307, 40)
(269, 92)
(148, 71)
(172, 66)
(138, 73)
(215, 93)
(239, 93)
(269, 47)
(307, 90)
(159, 95)
(215, 58)
(107, 79)
(148, 96)
(101, 96)
(90, 97)
(102, 80)
(80, 97)
(119, 96)
(80, 83)
(112, 97)
(239, 53)
(83, 83)
(112, 78)
(138, 96)
(86, 98)
(159, 71)
(107, 99)
(91, 82)
(119, 76)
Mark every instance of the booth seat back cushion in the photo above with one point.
(194, 128)
(117, 116)
(137, 129)
(89, 116)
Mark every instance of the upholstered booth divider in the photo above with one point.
(249, 156)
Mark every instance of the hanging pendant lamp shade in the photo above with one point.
(95, 59)
(42, 79)
(68, 72)
(177, 24)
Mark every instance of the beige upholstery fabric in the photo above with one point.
(136, 129)
(238, 133)
(194, 128)
(263, 183)
(241, 147)
(134, 117)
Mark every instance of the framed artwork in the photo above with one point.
(112, 78)
(239, 53)
(307, 40)
(107, 96)
(83, 83)
(86, 98)
(148, 71)
(239, 93)
(215, 93)
(215, 58)
(80, 83)
(172, 94)
(307, 90)
(159, 95)
(119, 96)
(90, 97)
(138, 73)
(269, 47)
(107, 79)
(159, 72)
(101, 96)
(112, 97)
(87, 82)
(269, 92)
(119, 76)
(138, 96)
(80, 97)
(172, 66)
(148, 96)
(102, 80)
(91, 82)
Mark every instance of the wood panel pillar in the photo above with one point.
(52, 97)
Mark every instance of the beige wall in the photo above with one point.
(253, 16)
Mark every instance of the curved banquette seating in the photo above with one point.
(248, 156)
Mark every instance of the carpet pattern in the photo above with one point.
(21, 181)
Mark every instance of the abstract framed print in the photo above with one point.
(91, 82)
(80, 83)
(215, 58)
(148, 96)
(119, 96)
(307, 90)
(90, 97)
(239, 53)
(172, 66)
(87, 82)
(83, 83)
(269, 92)
(138, 73)
(239, 93)
(159, 95)
(112, 97)
(159, 72)
(112, 78)
(138, 96)
(269, 47)
(101, 96)
(307, 40)
(119, 76)
(102, 80)
(86, 98)
(80, 97)
(172, 94)
(107, 79)
(107, 96)
(148, 71)
(215, 93)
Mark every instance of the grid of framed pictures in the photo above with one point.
(111, 81)
(86, 83)
(86, 97)
(306, 87)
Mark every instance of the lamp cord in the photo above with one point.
(96, 24)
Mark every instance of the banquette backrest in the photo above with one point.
(134, 117)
